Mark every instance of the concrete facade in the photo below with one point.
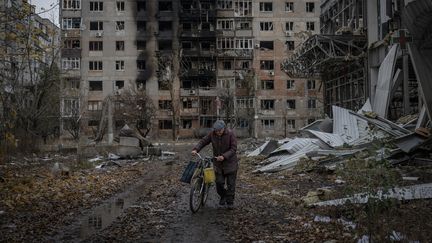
(216, 53)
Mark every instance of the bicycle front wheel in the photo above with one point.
(195, 196)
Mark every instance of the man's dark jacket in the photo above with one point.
(225, 145)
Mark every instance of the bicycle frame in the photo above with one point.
(198, 185)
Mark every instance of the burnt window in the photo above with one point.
(267, 65)
(95, 86)
(165, 104)
(227, 65)
(205, 26)
(120, 45)
(141, 64)
(165, 45)
(119, 84)
(187, 45)
(141, 6)
(267, 84)
(290, 45)
(205, 46)
(165, 6)
(291, 104)
(141, 45)
(266, 45)
(187, 26)
(141, 25)
(165, 124)
(165, 25)
(140, 83)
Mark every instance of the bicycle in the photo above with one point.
(199, 189)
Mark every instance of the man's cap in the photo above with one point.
(218, 125)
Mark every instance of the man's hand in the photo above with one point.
(220, 158)
(194, 152)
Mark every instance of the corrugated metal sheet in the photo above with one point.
(385, 77)
(344, 124)
(293, 145)
(333, 140)
(264, 149)
(367, 135)
(257, 151)
(288, 161)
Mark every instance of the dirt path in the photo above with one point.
(154, 209)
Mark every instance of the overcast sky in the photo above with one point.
(43, 5)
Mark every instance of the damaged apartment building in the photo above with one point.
(223, 61)
(369, 49)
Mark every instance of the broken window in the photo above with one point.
(206, 105)
(120, 6)
(187, 45)
(71, 63)
(141, 45)
(225, 24)
(205, 26)
(96, 6)
(165, 6)
(289, 26)
(267, 84)
(187, 26)
(242, 8)
(120, 25)
(96, 25)
(310, 26)
(266, 45)
(165, 25)
(163, 85)
(310, 7)
(140, 83)
(266, 26)
(266, 6)
(71, 44)
(245, 64)
(93, 123)
(165, 124)
(165, 45)
(267, 104)
(291, 124)
(267, 123)
(267, 65)
(186, 84)
(244, 25)
(290, 84)
(71, 4)
(244, 43)
(119, 84)
(227, 65)
(95, 45)
(187, 103)
(141, 65)
(225, 83)
(205, 46)
(224, 4)
(205, 6)
(71, 83)
(289, 6)
(311, 84)
(71, 23)
(290, 45)
(311, 103)
(186, 123)
(141, 25)
(120, 46)
(141, 6)
(95, 86)
(291, 104)
(245, 103)
(165, 104)
(70, 107)
(242, 123)
(94, 105)
(225, 43)
(119, 65)
(95, 65)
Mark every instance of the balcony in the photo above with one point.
(71, 33)
(244, 53)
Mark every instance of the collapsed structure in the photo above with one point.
(374, 59)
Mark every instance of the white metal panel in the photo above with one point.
(257, 151)
(344, 124)
(333, 140)
(385, 78)
(366, 107)
(294, 145)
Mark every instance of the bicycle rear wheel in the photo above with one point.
(205, 193)
(196, 194)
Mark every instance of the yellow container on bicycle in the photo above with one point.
(209, 175)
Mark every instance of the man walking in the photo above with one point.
(224, 145)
